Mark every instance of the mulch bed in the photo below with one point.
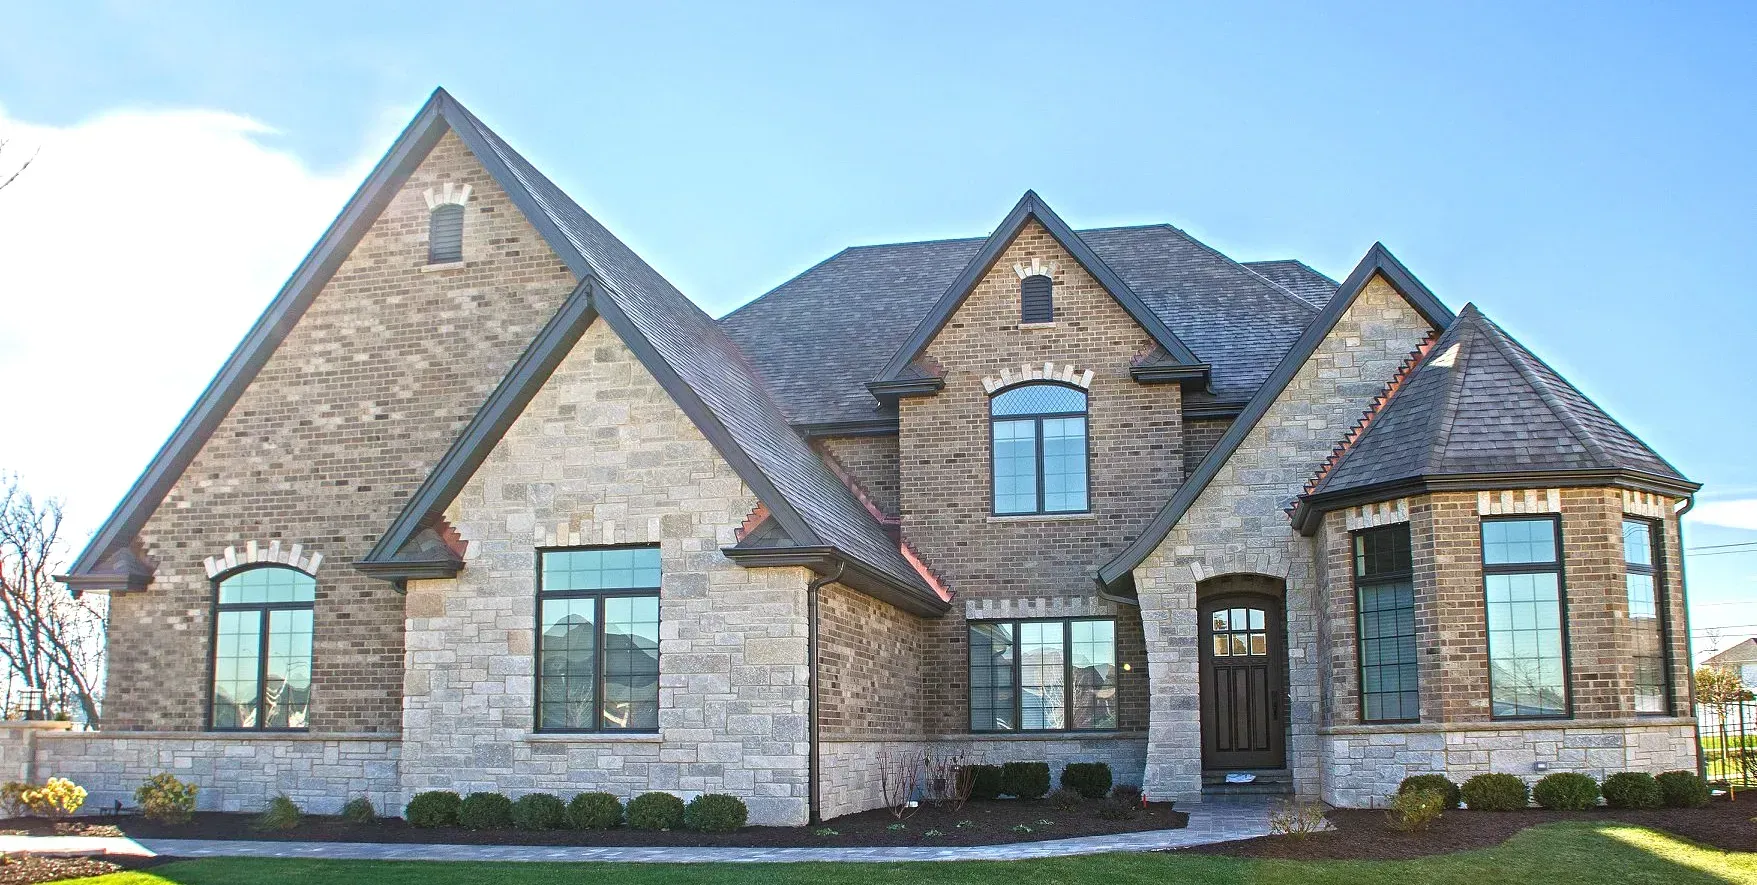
(29, 869)
(994, 822)
(1363, 834)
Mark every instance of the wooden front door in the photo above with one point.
(1244, 659)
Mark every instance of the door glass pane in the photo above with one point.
(237, 664)
(1241, 644)
(566, 661)
(1256, 619)
(1259, 644)
(287, 689)
(1220, 623)
(991, 677)
(1093, 652)
(1015, 467)
(1222, 645)
(1042, 676)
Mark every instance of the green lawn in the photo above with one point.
(1554, 854)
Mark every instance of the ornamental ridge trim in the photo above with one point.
(1037, 268)
(1525, 501)
(271, 553)
(449, 194)
(1067, 374)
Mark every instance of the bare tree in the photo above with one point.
(50, 641)
(16, 172)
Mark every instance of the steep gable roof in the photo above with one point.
(1378, 262)
(1297, 277)
(1479, 406)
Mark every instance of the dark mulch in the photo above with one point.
(29, 869)
(1362, 834)
(983, 823)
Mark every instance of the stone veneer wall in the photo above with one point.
(1238, 525)
(337, 430)
(603, 455)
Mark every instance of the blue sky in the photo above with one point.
(1583, 173)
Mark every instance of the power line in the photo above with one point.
(1721, 546)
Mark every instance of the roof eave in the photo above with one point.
(1309, 510)
(829, 561)
(1164, 374)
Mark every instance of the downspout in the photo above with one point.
(811, 656)
(1689, 644)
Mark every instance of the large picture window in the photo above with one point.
(1043, 675)
(1522, 578)
(1039, 447)
(1646, 614)
(598, 639)
(262, 650)
(1384, 583)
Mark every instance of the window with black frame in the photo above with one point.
(598, 639)
(1522, 580)
(1646, 614)
(1043, 675)
(1384, 582)
(1039, 449)
(262, 650)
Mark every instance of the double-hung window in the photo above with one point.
(1522, 580)
(262, 650)
(1384, 585)
(598, 639)
(1039, 448)
(1646, 614)
(1043, 675)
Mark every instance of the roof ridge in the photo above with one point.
(1299, 261)
(1273, 286)
(778, 286)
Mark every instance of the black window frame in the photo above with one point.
(1045, 299)
(1037, 419)
(1395, 576)
(213, 645)
(1661, 611)
(537, 726)
(1018, 677)
(447, 213)
(1560, 570)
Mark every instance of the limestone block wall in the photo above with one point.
(602, 455)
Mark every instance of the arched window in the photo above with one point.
(1039, 448)
(445, 234)
(1036, 299)
(262, 649)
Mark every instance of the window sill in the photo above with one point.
(592, 737)
(1044, 517)
(1026, 327)
(449, 265)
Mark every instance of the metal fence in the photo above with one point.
(1729, 741)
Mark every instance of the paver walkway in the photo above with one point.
(1209, 823)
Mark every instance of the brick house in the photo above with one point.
(483, 502)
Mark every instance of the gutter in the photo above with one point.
(812, 764)
(1689, 645)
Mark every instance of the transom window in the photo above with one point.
(445, 234)
(262, 650)
(1039, 437)
(598, 639)
(1384, 584)
(1043, 675)
(1646, 614)
(1522, 577)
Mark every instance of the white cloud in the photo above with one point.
(1738, 514)
(134, 253)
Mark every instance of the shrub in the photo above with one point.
(485, 811)
(1433, 783)
(1633, 789)
(282, 813)
(655, 811)
(1295, 818)
(1415, 810)
(359, 810)
(1683, 789)
(435, 808)
(1066, 799)
(715, 813)
(1126, 793)
(1117, 808)
(985, 781)
(1566, 791)
(1496, 792)
(1089, 779)
(57, 798)
(539, 811)
(166, 799)
(1026, 780)
(594, 811)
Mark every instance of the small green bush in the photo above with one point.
(655, 811)
(1066, 799)
(282, 813)
(539, 811)
(1683, 789)
(1496, 792)
(594, 811)
(166, 799)
(1633, 789)
(1089, 779)
(485, 811)
(1566, 791)
(1415, 810)
(985, 782)
(1026, 780)
(1433, 783)
(715, 813)
(434, 808)
(359, 810)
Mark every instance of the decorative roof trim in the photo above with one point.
(1029, 373)
(1377, 262)
(271, 553)
(831, 562)
(1376, 408)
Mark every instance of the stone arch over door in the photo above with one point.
(1242, 648)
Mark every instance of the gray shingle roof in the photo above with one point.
(1295, 276)
(1480, 403)
(819, 337)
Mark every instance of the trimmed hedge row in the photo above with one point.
(1565, 790)
(709, 812)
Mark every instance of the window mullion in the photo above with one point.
(598, 665)
(1018, 679)
(262, 670)
(1037, 444)
(1067, 675)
